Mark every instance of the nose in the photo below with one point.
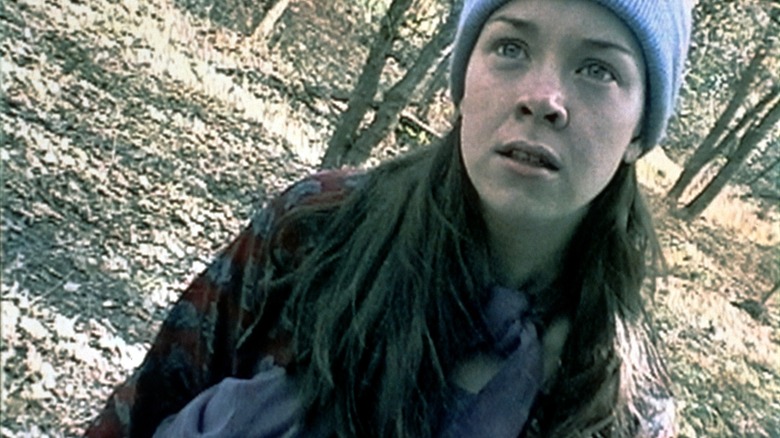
(543, 101)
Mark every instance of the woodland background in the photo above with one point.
(139, 135)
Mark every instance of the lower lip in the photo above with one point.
(526, 169)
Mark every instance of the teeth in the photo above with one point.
(526, 158)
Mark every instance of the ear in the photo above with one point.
(633, 151)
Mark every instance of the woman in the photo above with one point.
(487, 286)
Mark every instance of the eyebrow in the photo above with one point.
(514, 22)
(610, 45)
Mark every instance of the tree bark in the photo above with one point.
(730, 141)
(266, 26)
(768, 295)
(437, 82)
(749, 142)
(363, 94)
(400, 94)
(764, 172)
(725, 146)
(707, 150)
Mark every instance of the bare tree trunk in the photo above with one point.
(269, 21)
(730, 142)
(363, 94)
(707, 150)
(749, 142)
(400, 94)
(763, 173)
(768, 295)
(437, 82)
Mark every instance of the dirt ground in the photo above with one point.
(138, 137)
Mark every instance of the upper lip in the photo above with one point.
(541, 152)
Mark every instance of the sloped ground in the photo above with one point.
(139, 138)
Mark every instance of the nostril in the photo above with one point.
(544, 110)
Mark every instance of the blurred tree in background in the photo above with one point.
(352, 145)
(727, 127)
(362, 96)
(269, 20)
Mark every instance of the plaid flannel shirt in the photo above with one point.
(221, 326)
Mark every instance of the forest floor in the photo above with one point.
(139, 137)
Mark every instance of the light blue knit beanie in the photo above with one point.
(662, 28)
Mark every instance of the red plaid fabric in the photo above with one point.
(222, 324)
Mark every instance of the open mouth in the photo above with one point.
(530, 155)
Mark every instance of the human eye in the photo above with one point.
(511, 49)
(599, 72)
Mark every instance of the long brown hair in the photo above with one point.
(394, 280)
(608, 260)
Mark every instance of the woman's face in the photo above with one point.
(553, 100)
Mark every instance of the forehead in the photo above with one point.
(583, 19)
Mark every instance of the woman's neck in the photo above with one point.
(529, 250)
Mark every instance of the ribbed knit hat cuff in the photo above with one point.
(472, 19)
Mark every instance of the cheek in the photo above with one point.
(468, 146)
(610, 137)
(617, 114)
(482, 113)
(471, 149)
(475, 121)
(483, 93)
(629, 115)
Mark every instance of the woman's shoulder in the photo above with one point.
(323, 185)
(322, 189)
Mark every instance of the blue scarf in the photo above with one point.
(502, 407)
(267, 405)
